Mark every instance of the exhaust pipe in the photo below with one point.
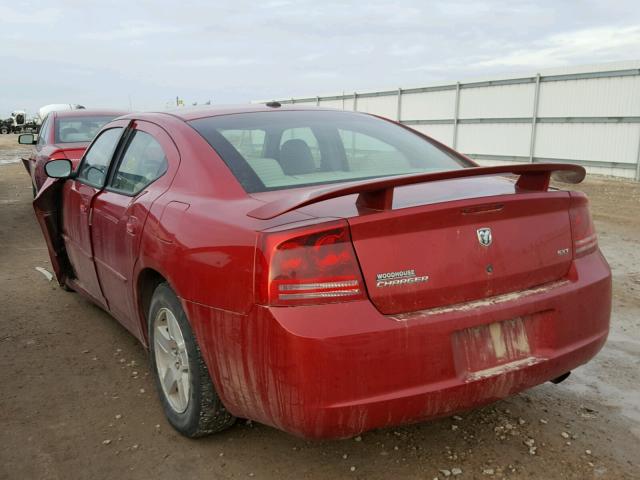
(561, 378)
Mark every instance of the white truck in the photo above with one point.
(17, 123)
(20, 123)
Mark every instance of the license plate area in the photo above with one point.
(488, 350)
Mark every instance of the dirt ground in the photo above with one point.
(77, 400)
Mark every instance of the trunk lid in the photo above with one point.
(73, 152)
(440, 254)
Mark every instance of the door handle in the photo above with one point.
(132, 225)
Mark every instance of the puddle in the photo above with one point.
(605, 382)
(12, 153)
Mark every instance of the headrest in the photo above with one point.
(296, 158)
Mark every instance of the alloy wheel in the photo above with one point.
(172, 360)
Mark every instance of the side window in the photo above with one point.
(367, 153)
(143, 162)
(250, 143)
(44, 130)
(94, 166)
(306, 135)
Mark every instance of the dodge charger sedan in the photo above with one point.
(325, 272)
(64, 134)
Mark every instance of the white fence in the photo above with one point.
(587, 115)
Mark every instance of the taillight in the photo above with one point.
(313, 265)
(583, 232)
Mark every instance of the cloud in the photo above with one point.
(135, 29)
(277, 4)
(320, 74)
(204, 62)
(406, 50)
(312, 57)
(581, 45)
(360, 49)
(246, 49)
(29, 16)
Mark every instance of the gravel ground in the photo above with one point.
(78, 401)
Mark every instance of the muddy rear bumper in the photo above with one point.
(340, 369)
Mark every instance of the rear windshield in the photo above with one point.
(287, 149)
(79, 129)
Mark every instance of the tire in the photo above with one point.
(188, 397)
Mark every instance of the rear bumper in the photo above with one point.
(337, 370)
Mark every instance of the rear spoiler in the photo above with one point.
(377, 194)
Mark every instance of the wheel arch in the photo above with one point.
(146, 283)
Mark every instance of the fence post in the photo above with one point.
(399, 106)
(355, 102)
(534, 119)
(317, 101)
(456, 111)
(638, 158)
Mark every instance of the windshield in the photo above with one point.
(79, 129)
(287, 149)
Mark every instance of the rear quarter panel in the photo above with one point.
(196, 235)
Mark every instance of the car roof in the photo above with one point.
(83, 112)
(193, 113)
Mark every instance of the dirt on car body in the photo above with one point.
(78, 400)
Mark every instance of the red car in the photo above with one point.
(326, 272)
(64, 134)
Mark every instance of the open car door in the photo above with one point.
(47, 206)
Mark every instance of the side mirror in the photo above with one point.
(58, 168)
(27, 139)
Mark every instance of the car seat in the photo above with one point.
(296, 158)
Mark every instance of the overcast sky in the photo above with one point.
(107, 54)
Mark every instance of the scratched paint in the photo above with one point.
(501, 369)
(484, 302)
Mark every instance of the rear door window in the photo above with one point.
(94, 166)
(143, 162)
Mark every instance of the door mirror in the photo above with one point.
(58, 168)
(27, 139)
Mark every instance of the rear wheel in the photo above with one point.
(188, 396)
